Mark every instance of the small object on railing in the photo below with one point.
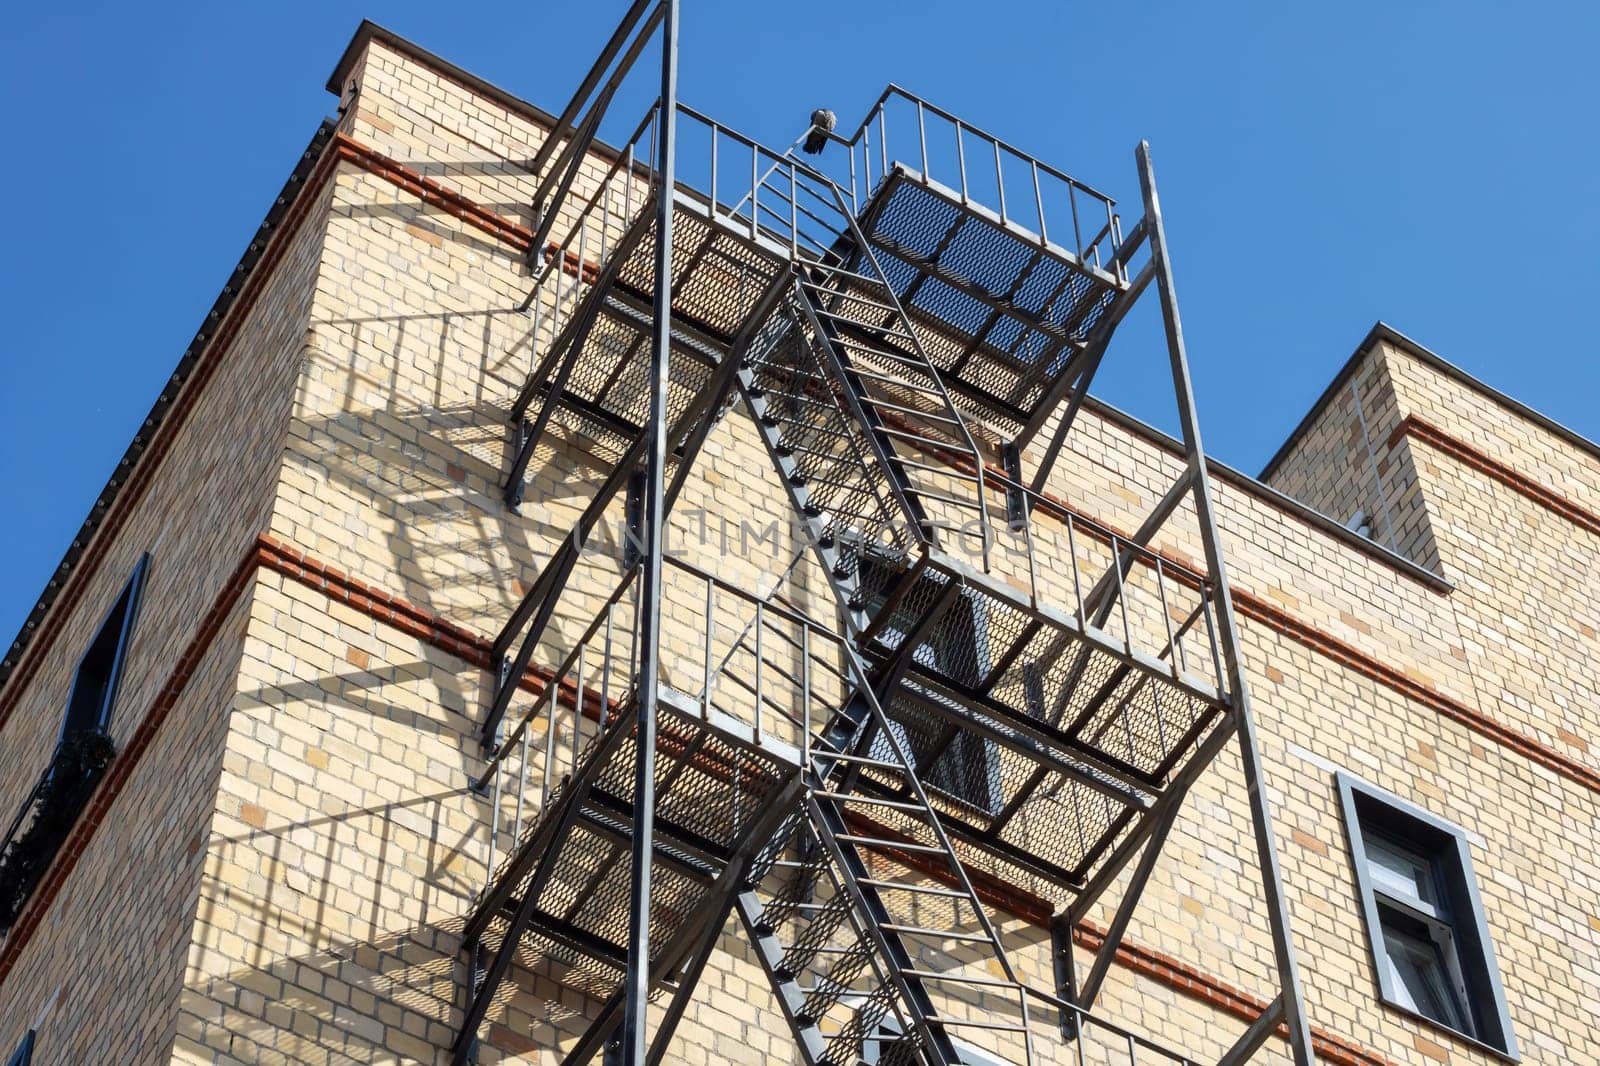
(822, 123)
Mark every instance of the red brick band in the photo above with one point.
(1548, 498)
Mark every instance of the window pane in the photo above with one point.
(1420, 979)
(1401, 873)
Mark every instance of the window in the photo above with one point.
(82, 754)
(1425, 926)
(956, 763)
(24, 1053)
(94, 688)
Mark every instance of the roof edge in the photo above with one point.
(1382, 331)
(1256, 487)
(370, 31)
(179, 385)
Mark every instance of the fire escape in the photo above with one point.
(1003, 688)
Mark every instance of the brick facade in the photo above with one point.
(278, 866)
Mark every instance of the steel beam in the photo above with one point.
(1130, 902)
(1291, 996)
(563, 126)
(636, 981)
(1253, 1037)
(576, 148)
(1096, 345)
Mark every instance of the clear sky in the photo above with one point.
(1427, 162)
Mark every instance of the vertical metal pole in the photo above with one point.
(636, 982)
(1249, 752)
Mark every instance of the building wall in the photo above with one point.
(1519, 535)
(345, 847)
(120, 919)
(1349, 460)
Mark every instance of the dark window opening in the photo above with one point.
(94, 688)
(24, 1053)
(958, 764)
(1425, 925)
(83, 752)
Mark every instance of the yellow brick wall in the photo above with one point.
(1346, 460)
(346, 849)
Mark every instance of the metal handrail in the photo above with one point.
(893, 90)
(1101, 249)
(1086, 1018)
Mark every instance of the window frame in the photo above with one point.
(24, 1053)
(127, 604)
(1372, 813)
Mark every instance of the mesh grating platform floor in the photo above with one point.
(717, 280)
(711, 796)
(998, 315)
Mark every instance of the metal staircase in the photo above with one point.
(854, 957)
(1005, 686)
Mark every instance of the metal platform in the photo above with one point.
(1001, 311)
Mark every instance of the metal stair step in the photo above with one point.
(923, 890)
(856, 797)
(943, 934)
(874, 842)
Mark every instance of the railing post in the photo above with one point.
(999, 181)
(711, 629)
(1166, 616)
(805, 695)
(961, 160)
(1038, 201)
(922, 139)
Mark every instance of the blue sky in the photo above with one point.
(1321, 166)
